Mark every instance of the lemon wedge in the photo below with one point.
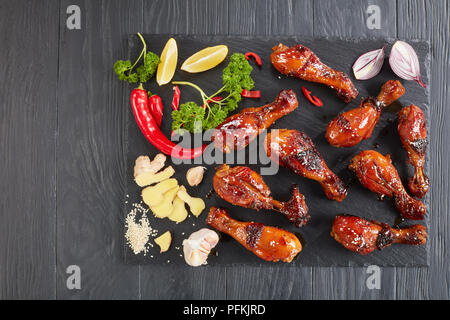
(205, 59)
(168, 63)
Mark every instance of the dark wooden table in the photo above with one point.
(62, 123)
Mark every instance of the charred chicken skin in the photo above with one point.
(296, 151)
(300, 62)
(238, 130)
(376, 173)
(349, 128)
(413, 134)
(364, 236)
(244, 187)
(268, 243)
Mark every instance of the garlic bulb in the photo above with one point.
(198, 246)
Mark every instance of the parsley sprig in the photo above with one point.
(143, 73)
(195, 118)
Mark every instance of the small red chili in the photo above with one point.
(176, 98)
(155, 106)
(313, 99)
(254, 56)
(251, 94)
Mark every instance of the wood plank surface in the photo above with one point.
(28, 64)
(90, 157)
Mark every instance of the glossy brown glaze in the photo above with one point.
(268, 243)
(364, 236)
(295, 150)
(299, 61)
(350, 127)
(238, 130)
(413, 134)
(244, 187)
(376, 173)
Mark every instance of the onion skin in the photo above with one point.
(404, 62)
(369, 64)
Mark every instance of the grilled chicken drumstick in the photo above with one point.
(268, 243)
(376, 173)
(299, 61)
(350, 127)
(244, 187)
(238, 130)
(363, 236)
(413, 133)
(295, 150)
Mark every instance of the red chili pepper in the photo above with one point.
(155, 105)
(176, 98)
(147, 124)
(216, 98)
(313, 99)
(251, 94)
(254, 56)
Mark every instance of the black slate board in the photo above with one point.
(319, 248)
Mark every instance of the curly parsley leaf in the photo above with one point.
(124, 68)
(189, 116)
(236, 76)
(121, 68)
(148, 68)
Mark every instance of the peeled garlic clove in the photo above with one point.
(198, 246)
(195, 175)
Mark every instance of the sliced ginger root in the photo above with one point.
(144, 165)
(164, 241)
(179, 212)
(154, 195)
(164, 209)
(148, 178)
(196, 205)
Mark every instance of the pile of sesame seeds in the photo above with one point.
(138, 231)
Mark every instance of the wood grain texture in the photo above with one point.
(348, 18)
(28, 55)
(333, 19)
(182, 17)
(267, 18)
(430, 20)
(90, 157)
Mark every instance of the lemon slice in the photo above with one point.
(168, 64)
(205, 59)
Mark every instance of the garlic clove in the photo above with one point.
(195, 175)
(198, 246)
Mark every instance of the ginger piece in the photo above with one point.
(195, 175)
(164, 241)
(148, 178)
(144, 165)
(164, 209)
(154, 195)
(179, 212)
(196, 205)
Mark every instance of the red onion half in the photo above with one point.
(404, 62)
(369, 64)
